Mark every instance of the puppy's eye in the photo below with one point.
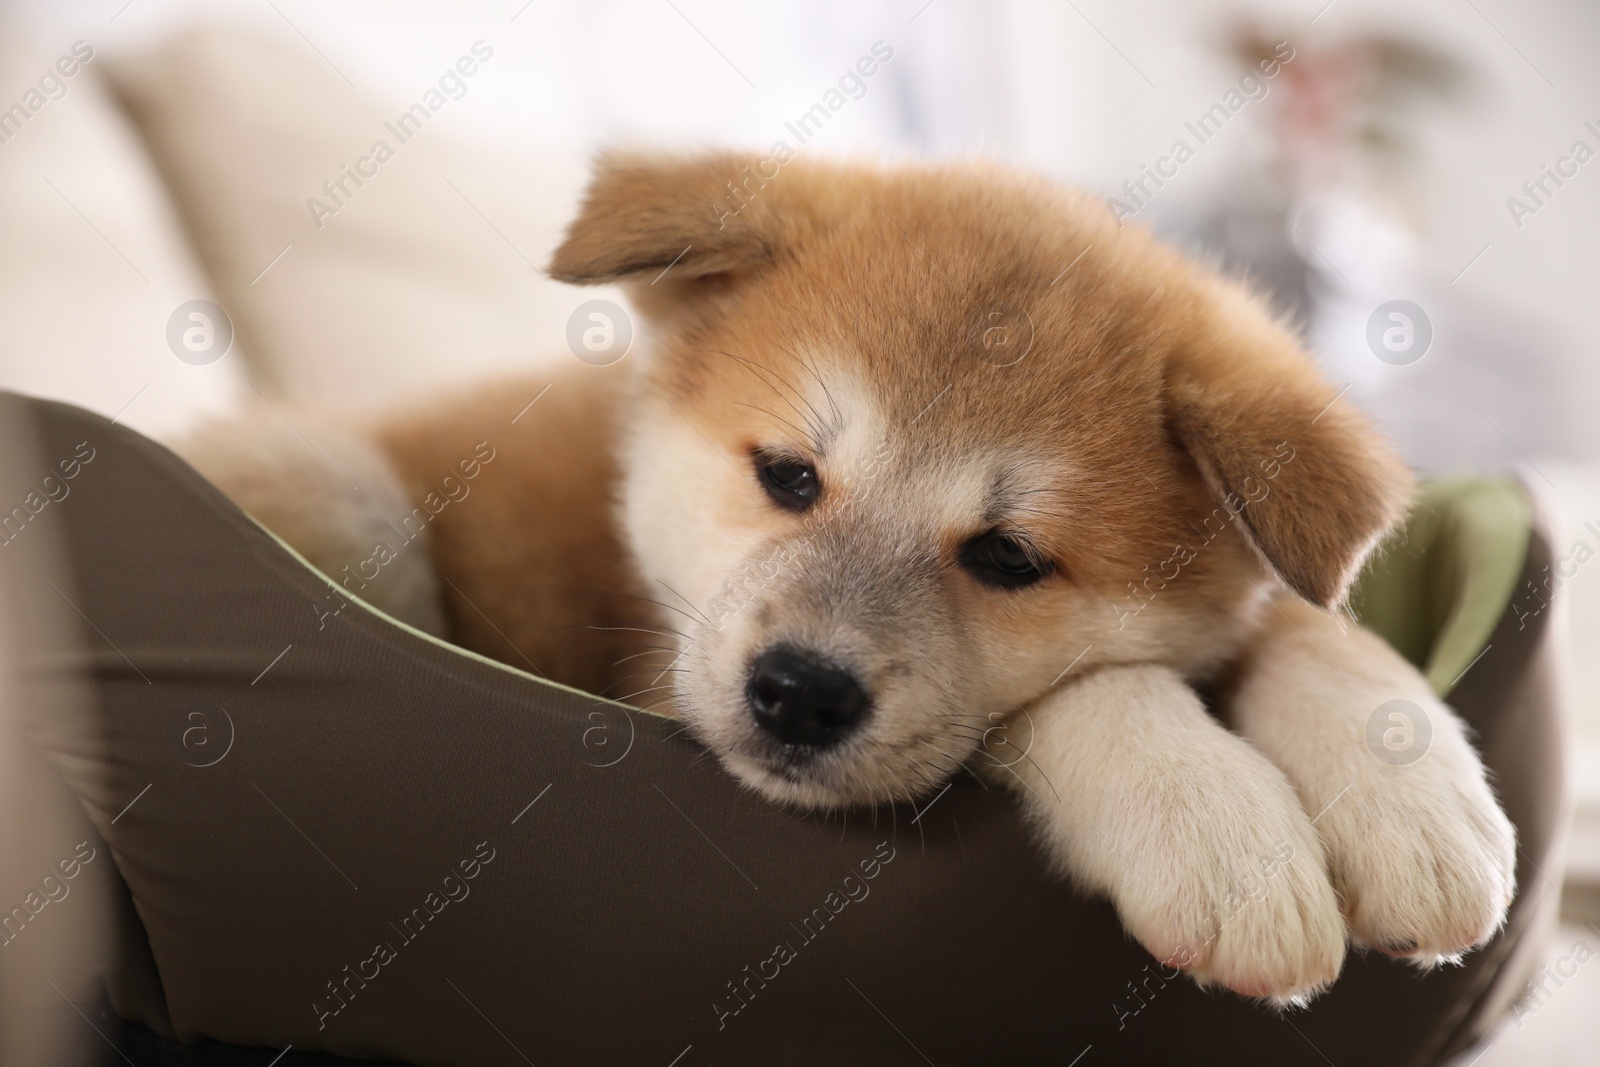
(997, 560)
(790, 483)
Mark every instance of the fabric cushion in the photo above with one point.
(428, 271)
(377, 845)
(1439, 587)
(94, 262)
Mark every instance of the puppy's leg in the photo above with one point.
(1419, 851)
(1197, 839)
(339, 503)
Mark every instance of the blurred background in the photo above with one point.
(1415, 185)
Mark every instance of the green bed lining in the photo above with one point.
(1438, 588)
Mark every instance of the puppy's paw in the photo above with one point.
(1421, 854)
(1240, 898)
(1198, 839)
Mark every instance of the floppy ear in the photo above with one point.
(696, 215)
(1314, 486)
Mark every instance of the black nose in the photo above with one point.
(801, 700)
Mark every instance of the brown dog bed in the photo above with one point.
(337, 834)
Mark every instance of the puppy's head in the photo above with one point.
(910, 446)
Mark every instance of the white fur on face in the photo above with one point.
(810, 586)
(862, 581)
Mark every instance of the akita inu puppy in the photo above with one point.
(937, 467)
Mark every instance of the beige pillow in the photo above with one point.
(424, 271)
(94, 262)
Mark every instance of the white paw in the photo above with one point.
(1199, 841)
(1240, 898)
(1421, 854)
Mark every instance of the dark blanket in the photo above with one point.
(338, 835)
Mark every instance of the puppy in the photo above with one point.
(937, 468)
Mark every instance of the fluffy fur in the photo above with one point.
(1139, 422)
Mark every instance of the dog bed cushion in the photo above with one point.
(339, 834)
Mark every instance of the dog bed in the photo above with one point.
(338, 834)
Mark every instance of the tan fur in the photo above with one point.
(531, 563)
(1150, 430)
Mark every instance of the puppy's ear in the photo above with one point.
(1313, 484)
(641, 215)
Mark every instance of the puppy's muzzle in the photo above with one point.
(798, 698)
